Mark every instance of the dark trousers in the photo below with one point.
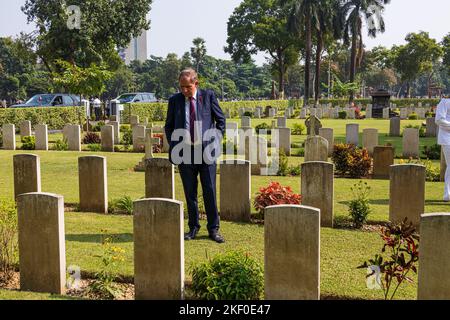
(98, 113)
(189, 174)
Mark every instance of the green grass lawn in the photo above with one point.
(342, 250)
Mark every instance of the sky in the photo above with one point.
(175, 23)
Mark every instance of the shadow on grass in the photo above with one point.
(97, 238)
(436, 203)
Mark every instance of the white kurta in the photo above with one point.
(443, 121)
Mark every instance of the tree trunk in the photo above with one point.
(307, 59)
(318, 65)
(353, 63)
(281, 75)
(408, 90)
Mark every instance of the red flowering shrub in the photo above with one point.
(275, 194)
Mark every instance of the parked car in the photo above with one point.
(137, 97)
(50, 100)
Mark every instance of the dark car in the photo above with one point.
(50, 100)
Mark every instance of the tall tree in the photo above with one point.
(416, 58)
(261, 26)
(105, 26)
(355, 11)
(198, 51)
(446, 47)
(303, 13)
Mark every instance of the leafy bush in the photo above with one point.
(351, 161)
(283, 164)
(28, 143)
(342, 114)
(358, 207)
(402, 243)
(123, 205)
(300, 152)
(1, 139)
(432, 152)
(248, 114)
(124, 128)
(61, 145)
(229, 276)
(98, 126)
(298, 129)
(413, 116)
(93, 147)
(263, 126)
(91, 138)
(127, 137)
(432, 174)
(8, 240)
(275, 194)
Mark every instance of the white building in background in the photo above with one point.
(136, 50)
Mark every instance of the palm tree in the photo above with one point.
(198, 51)
(302, 15)
(355, 12)
(329, 24)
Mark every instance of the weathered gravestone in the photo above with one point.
(433, 282)
(407, 193)
(93, 184)
(9, 136)
(41, 137)
(383, 158)
(235, 194)
(159, 179)
(158, 249)
(292, 253)
(312, 123)
(317, 189)
(42, 255)
(27, 174)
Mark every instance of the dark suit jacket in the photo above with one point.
(208, 111)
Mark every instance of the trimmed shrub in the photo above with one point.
(55, 117)
(298, 129)
(275, 194)
(230, 276)
(28, 143)
(432, 152)
(351, 161)
(342, 114)
(413, 116)
(248, 114)
(263, 126)
(127, 137)
(91, 138)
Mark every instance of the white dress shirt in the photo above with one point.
(443, 121)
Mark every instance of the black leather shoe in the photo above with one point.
(216, 237)
(191, 234)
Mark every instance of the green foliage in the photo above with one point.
(111, 257)
(94, 147)
(432, 174)
(248, 114)
(28, 143)
(123, 205)
(91, 138)
(351, 161)
(298, 129)
(283, 164)
(358, 207)
(127, 136)
(1, 139)
(413, 116)
(401, 242)
(61, 145)
(263, 126)
(341, 89)
(8, 240)
(231, 276)
(432, 152)
(342, 114)
(55, 117)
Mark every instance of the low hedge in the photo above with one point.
(55, 117)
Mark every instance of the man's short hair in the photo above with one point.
(190, 73)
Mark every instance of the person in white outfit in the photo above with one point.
(443, 121)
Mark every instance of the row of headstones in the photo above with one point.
(110, 136)
(291, 243)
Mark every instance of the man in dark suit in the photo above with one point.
(192, 115)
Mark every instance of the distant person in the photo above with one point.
(97, 108)
(3, 103)
(443, 121)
